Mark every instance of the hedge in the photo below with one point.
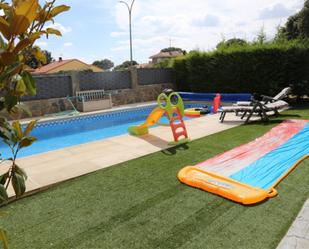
(264, 69)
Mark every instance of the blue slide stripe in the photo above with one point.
(265, 172)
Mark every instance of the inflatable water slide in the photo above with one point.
(249, 173)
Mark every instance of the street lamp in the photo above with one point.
(130, 27)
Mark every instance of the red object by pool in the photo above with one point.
(217, 102)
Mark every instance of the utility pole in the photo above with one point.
(130, 7)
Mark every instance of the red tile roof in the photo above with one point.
(53, 65)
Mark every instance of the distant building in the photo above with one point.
(157, 58)
(66, 65)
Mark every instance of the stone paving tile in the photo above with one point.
(298, 235)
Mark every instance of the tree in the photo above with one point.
(105, 64)
(125, 66)
(261, 37)
(230, 43)
(297, 26)
(173, 49)
(34, 63)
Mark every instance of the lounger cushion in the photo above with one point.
(277, 105)
(280, 104)
(242, 103)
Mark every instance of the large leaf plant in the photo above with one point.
(22, 23)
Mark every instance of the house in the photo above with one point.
(66, 65)
(157, 58)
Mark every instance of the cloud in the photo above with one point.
(276, 11)
(63, 29)
(207, 21)
(194, 23)
(68, 44)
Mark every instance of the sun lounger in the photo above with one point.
(266, 99)
(258, 108)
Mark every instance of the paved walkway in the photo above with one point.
(53, 167)
(298, 235)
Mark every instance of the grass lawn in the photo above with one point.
(141, 204)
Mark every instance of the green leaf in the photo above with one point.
(25, 13)
(10, 101)
(22, 45)
(20, 88)
(18, 183)
(11, 70)
(26, 141)
(21, 172)
(30, 127)
(29, 82)
(21, 108)
(53, 31)
(5, 134)
(3, 45)
(3, 178)
(59, 9)
(4, 239)
(5, 28)
(18, 130)
(3, 194)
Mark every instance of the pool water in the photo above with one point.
(58, 134)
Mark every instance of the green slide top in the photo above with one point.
(168, 103)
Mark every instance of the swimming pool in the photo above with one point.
(62, 133)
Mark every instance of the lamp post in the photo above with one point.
(130, 27)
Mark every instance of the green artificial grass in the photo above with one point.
(141, 204)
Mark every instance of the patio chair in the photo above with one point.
(266, 99)
(257, 107)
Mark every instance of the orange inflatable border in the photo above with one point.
(223, 186)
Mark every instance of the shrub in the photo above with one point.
(251, 68)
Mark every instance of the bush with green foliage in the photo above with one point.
(231, 43)
(105, 64)
(256, 68)
(125, 66)
(34, 63)
(173, 49)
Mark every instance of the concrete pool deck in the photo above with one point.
(50, 168)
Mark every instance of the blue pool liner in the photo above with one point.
(62, 133)
(225, 97)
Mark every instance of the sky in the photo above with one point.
(98, 29)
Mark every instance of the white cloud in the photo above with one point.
(63, 29)
(276, 11)
(207, 21)
(68, 44)
(196, 23)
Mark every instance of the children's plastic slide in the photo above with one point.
(171, 104)
(152, 119)
(249, 174)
